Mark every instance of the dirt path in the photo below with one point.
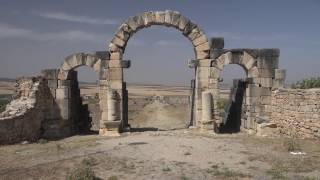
(181, 154)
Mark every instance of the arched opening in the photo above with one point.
(89, 92)
(232, 84)
(159, 79)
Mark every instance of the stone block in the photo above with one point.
(149, 18)
(116, 84)
(268, 62)
(118, 42)
(64, 108)
(64, 83)
(159, 17)
(215, 73)
(265, 100)
(167, 17)
(204, 63)
(125, 27)
(236, 57)
(280, 74)
(189, 27)
(135, 22)
(115, 64)
(253, 90)
(103, 55)
(203, 47)
(175, 19)
(65, 66)
(253, 73)
(183, 23)
(202, 55)
(50, 73)
(115, 56)
(269, 52)
(115, 48)
(75, 60)
(195, 33)
(123, 35)
(62, 93)
(97, 66)
(266, 82)
(90, 60)
(199, 39)
(115, 74)
(52, 84)
(217, 43)
(266, 73)
(215, 53)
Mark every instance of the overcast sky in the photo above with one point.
(39, 34)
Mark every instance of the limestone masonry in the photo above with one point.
(50, 105)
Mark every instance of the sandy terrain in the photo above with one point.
(180, 154)
(6, 87)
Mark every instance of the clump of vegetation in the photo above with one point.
(221, 103)
(165, 169)
(113, 178)
(307, 83)
(82, 171)
(43, 141)
(292, 143)
(4, 100)
(225, 172)
(278, 171)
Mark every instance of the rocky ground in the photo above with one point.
(180, 154)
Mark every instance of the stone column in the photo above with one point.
(206, 106)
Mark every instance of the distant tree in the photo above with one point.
(307, 83)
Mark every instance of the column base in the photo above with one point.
(111, 128)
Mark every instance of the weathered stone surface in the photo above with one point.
(296, 112)
(183, 23)
(202, 55)
(159, 17)
(199, 40)
(90, 60)
(116, 56)
(217, 42)
(50, 73)
(115, 74)
(62, 93)
(118, 42)
(203, 47)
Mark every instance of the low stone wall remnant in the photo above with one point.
(296, 112)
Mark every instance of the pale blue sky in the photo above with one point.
(38, 34)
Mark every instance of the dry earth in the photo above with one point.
(180, 154)
(177, 154)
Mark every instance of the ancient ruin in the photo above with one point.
(49, 105)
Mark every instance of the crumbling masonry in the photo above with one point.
(59, 115)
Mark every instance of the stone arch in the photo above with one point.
(242, 58)
(165, 18)
(79, 59)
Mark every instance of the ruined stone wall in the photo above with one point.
(296, 112)
(22, 118)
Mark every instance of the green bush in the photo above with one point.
(307, 83)
(221, 103)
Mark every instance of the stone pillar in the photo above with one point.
(113, 99)
(279, 79)
(206, 106)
